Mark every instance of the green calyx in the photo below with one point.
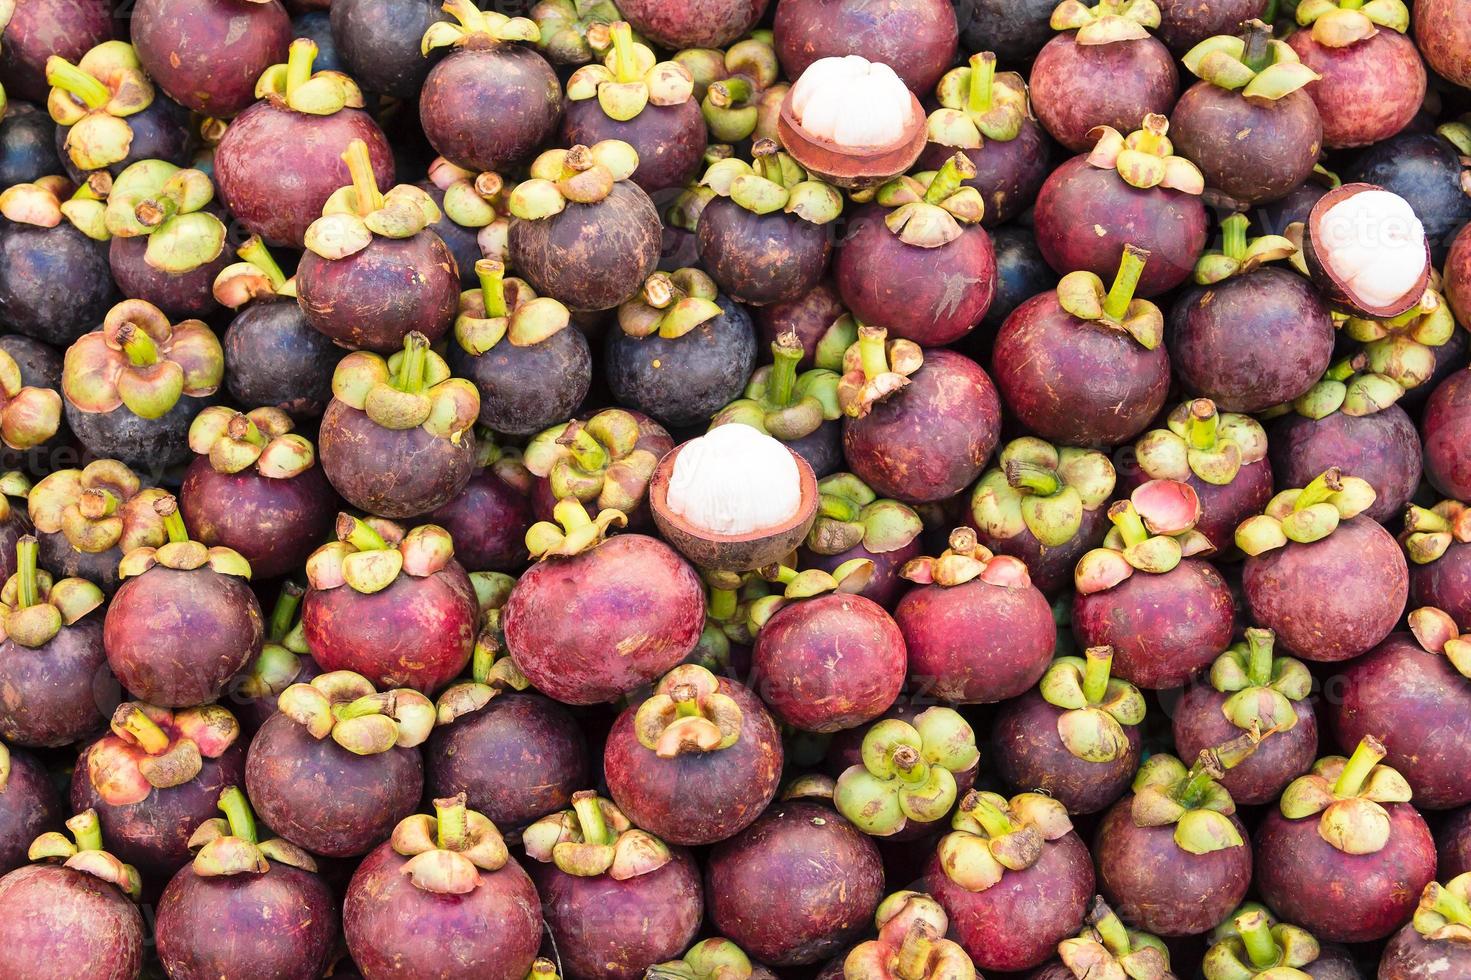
(1444, 912)
(83, 852)
(977, 104)
(1253, 64)
(359, 211)
(296, 87)
(594, 838)
(476, 28)
(181, 553)
(1341, 23)
(96, 508)
(260, 439)
(967, 560)
(1399, 350)
(773, 182)
(727, 617)
(1146, 157)
(1306, 515)
(992, 835)
(1348, 796)
(1262, 687)
(574, 32)
(369, 555)
(708, 959)
(850, 577)
(1109, 21)
(1429, 532)
(34, 607)
(1252, 944)
(931, 209)
(140, 361)
(1096, 707)
(746, 75)
(1352, 387)
(1238, 254)
(46, 202)
(850, 514)
(573, 532)
(1107, 948)
(156, 199)
(475, 202)
(228, 845)
(505, 308)
(671, 304)
(447, 851)
(13, 483)
(1201, 442)
(908, 771)
(28, 416)
(687, 714)
(580, 175)
(1042, 489)
(1083, 295)
(94, 98)
(782, 403)
(411, 389)
(911, 944)
(1199, 808)
(359, 718)
(605, 462)
(1152, 532)
(256, 276)
(874, 369)
(630, 78)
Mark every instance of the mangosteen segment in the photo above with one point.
(93, 99)
(1367, 251)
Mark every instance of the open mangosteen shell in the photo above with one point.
(842, 167)
(732, 552)
(1332, 288)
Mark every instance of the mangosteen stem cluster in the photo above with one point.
(1106, 944)
(907, 772)
(1349, 797)
(1154, 530)
(993, 835)
(688, 714)
(850, 514)
(1430, 532)
(594, 838)
(84, 852)
(1444, 912)
(295, 86)
(1306, 515)
(1082, 295)
(1202, 442)
(1097, 708)
(875, 369)
(446, 852)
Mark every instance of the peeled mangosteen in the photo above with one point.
(1367, 251)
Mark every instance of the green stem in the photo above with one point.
(985, 813)
(585, 451)
(785, 575)
(1366, 756)
(1121, 294)
(1350, 4)
(945, 183)
(1111, 931)
(766, 162)
(1233, 233)
(731, 91)
(72, 80)
(1098, 661)
(590, 818)
(411, 367)
(1257, 53)
(871, 354)
(982, 72)
(1032, 478)
(1203, 424)
(1323, 486)
(685, 705)
(492, 276)
(237, 812)
(1340, 370)
(145, 730)
(86, 831)
(1196, 783)
(25, 556)
(364, 181)
(357, 533)
(626, 65)
(1452, 906)
(173, 521)
(140, 348)
(452, 825)
(481, 661)
(283, 614)
(1256, 935)
(1259, 658)
(299, 59)
(1130, 524)
(723, 603)
(255, 252)
(786, 352)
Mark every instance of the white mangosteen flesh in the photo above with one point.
(735, 480)
(853, 102)
(1374, 244)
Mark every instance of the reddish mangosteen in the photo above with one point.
(1437, 939)
(393, 607)
(1454, 843)
(816, 619)
(587, 235)
(677, 25)
(795, 887)
(1315, 560)
(1371, 79)
(1103, 69)
(765, 236)
(734, 499)
(213, 621)
(56, 283)
(851, 121)
(800, 410)
(917, 261)
(921, 424)
(1127, 191)
(1367, 250)
(916, 37)
(30, 415)
(28, 805)
(1441, 37)
(379, 42)
(339, 796)
(241, 893)
(308, 119)
(906, 772)
(1434, 539)
(814, 318)
(1013, 877)
(911, 944)
(255, 487)
(1076, 737)
(440, 898)
(1344, 853)
(53, 669)
(1044, 505)
(32, 32)
(1248, 336)
(975, 628)
(493, 100)
(397, 438)
(1253, 944)
(1166, 612)
(1457, 276)
(1248, 689)
(87, 519)
(696, 762)
(155, 775)
(1413, 692)
(75, 918)
(489, 519)
(1443, 430)
(615, 899)
(853, 522)
(604, 461)
(208, 55)
(594, 619)
(1082, 366)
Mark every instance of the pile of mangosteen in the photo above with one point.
(735, 489)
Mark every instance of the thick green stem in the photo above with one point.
(364, 181)
(492, 276)
(481, 661)
(299, 59)
(783, 380)
(1351, 780)
(1452, 906)
(685, 705)
(590, 818)
(237, 812)
(1203, 424)
(1233, 234)
(1259, 662)
(25, 556)
(1323, 486)
(765, 160)
(173, 521)
(411, 367)
(723, 603)
(96, 503)
(1097, 665)
(1032, 478)
(86, 831)
(1196, 783)
(1256, 935)
(283, 614)
(946, 182)
(452, 825)
(871, 352)
(255, 252)
(1257, 53)
(731, 91)
(992, 820)
(1121, 294)
(784, 575)
(137, 345)
(626, 63)
(982, 72)
(1130, 524)
(356, 532)
(143, 729)
(72, 80)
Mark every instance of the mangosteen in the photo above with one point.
(473, 220)
(156, 774)
(1426, 170)
(1076, 736)
(87, 519)
(1371, 79)
(1434, 540)
(1314, 559)
(208, 55)
(917, 38)
(573, 32)
(489, 519)
(920, 424)
(911, 943)
(1250, 689)
(34, 31)
(1083, 366)
(588, 236)
(241, 892)
(339, 796)
(28, 805)
(1254, 944)
(800, 410)
(1185, 23)
(397, 437)
(1344, 853)
(1441, 37)
(27, 146)
(316, 24)
(1367, 251)
(1016, 31)
(30, 416)
(764, 236)
(675, 25)
(1413, 350)
(740, 89)
(1021, 273)
(309, 126)
(604, 461)
(853, 522)
(1443, 435)
(379, 42)
(615, 899)
(1089, 211)
(1453, 839)
(1437, 938)
(819, 320)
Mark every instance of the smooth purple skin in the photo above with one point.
(29, 806)
(1251, 342)
(396, 931)
(1369, 90)
(273, 357)
(1333, 599)
(57, 284)
(322, 797)
(917, 38)
(1411, 956)
(378, 41)
(1008, 172)
(54, 694)
(41, 28)
(1078, 198)
(976, 643)
(617, 929)
(1222, 506)
(1017, 923)
(1051, 569)
(490, 108)
(488, 522)
(517, 759)
(1185, 23)
(394, 473)
(827, 663)
(696, 797)
(65, 923)
(670, 140)
(1280, 145)
(149, 446)
(932, 439)
(808, 316)
(1199, 724)
(1453, 838)
(280, 925)
(1156, 886)
(64, 561)
(153, 835)
(524, 390)
(674, 25)
(1445, 431)
(1419, 705)
(1163, 628)
(885, 587)
(610, 620)
(1075, 87)
(763, 259)
(1030, 755)
(1333, 963)
(374, 298)
(208, 54)
(796, 886)
(1445, 583)
(274, 523)
(1342, 897)
(1382, 448)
